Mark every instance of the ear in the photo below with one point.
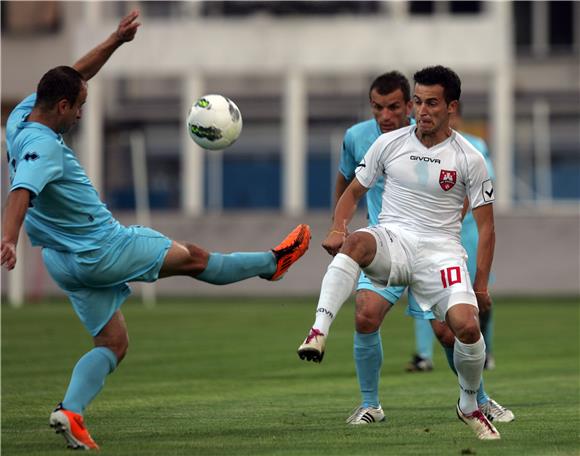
(409, 107)
(62, 105)
(452, 107)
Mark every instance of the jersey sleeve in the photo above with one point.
(347, 165)
(371, 166)
(39, 163)
(479, 185)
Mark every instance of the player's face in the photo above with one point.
(431, 110)
(71, 114)
(390, 111)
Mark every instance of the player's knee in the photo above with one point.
(198, 258)
(468, 332)
(369, 313)
(366, 323)
(360, 247)
(120, 349)
(118, 344)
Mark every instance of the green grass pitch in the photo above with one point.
(221, 377)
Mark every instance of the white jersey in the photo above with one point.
(424, 188)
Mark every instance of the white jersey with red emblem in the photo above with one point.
(424, 188)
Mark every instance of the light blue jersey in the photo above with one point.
(88, 253)
(66, 213)
(357, 141)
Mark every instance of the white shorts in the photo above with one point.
(435, 269)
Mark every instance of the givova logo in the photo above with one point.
(425, 159)
(325, 311)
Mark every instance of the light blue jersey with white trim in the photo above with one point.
(66, 213)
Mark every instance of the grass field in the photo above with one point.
(221, 377)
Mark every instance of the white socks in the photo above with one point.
(469, 360)
(337, 285)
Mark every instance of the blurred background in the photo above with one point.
(300, 72)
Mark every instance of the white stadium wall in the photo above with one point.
(536, 254)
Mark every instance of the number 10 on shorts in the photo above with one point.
(450, 276)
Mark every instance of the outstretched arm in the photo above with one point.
(16, 206)
(91, 63)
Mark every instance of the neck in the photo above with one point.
(430, 139)
(48, 119)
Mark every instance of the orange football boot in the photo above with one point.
(72, 427)
(290, 250)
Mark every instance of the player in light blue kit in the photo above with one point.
(424, 337)
(390, 101)
(86, 251)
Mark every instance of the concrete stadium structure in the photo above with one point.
(300, 54)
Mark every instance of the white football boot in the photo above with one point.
(497, 413)
(312, 349)
(479, 423)
(366, 415)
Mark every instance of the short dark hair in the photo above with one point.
(445, 77)
(389, 82)
(56, 84)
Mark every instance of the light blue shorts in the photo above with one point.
(96, 281)
(393, 294)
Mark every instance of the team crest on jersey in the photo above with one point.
(447, 179)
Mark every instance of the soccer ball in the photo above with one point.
(214, 122)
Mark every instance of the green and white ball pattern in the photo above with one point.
(214, 122)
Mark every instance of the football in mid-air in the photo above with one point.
(214, 122)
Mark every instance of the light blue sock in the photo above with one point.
(88, 378)
(368, 359)
(449, 356)
(233, 267)
(424, 338)
(482, 396)
(487, 331)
